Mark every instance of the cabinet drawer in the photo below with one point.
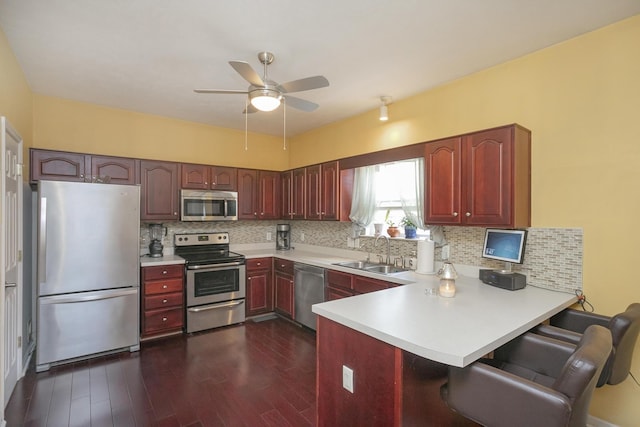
(283, 266)
(162, 272)
(163, 286)
(163, 301)
(364, 284)
(258, 264)
(158, 320)
(337, 279)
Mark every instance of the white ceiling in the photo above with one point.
(149, 55)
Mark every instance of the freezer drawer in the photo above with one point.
(77, 325)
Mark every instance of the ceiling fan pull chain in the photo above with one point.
(246, 119)
(284, 124)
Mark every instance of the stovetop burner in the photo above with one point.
(205, 248)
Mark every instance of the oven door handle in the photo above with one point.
(214, 306)
(214, 266)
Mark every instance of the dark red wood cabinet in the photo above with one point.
(258, 194)
(204, 177)
(162, 310)
(259, 286)
(159, 195)
(283, 277)
(292, 194)
(322, 195)
(116, 170)
(479, 179)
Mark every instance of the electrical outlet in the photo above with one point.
(302, 237)
(446, 253)
(268, 236)
(347, 378)
(349, 242)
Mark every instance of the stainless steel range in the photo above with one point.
(216, 277)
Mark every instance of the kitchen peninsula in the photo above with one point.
(398, 343)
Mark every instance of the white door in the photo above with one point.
(12, 230)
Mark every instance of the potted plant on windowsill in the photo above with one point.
(409, 228)
(392, 229)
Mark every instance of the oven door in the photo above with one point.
(215, 283)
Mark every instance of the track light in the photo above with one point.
(384, 111)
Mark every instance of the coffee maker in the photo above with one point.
(283, 237)
(156, 233)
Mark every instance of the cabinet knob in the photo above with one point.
(164, 319)
(455, 214)
(258, 264)
(164, 271)
(164, 301)
(468, 214)
(175, 213)
(164, 286)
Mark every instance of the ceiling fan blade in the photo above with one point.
(237, 92)
(308, 83)
(300, 104)
(247, 72)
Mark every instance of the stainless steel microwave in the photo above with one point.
(203, 205)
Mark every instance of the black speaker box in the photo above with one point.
(509, 281)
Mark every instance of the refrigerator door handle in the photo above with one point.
(42, 243)
(95, 296)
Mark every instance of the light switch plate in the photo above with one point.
(268, 236)
(347, 378)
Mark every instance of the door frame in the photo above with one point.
(8, 132)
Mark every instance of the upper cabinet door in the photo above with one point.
(314, 195)
(286, 196)
(195, 177)
(116, 170)
(298, 193)
(59, 166)
(224, 178)
(268, 197)
(247, 194)
(487, 177)
(159, 195)
(330, 191)
(442, 187)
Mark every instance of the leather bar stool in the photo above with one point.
(531, 381)
(569, 324)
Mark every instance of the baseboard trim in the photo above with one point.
(597, 422)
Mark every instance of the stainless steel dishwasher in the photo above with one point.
(308, 290)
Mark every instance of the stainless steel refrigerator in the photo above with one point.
(88, 270)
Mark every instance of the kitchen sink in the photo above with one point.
(360, 265)
(371, 267)
(385, 269)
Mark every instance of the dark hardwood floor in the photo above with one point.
(255, 374)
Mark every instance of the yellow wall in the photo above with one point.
(581, 100)
(15, 94)
(74, 126)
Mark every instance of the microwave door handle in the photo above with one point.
(226, 207)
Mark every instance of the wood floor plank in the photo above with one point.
(248, 375)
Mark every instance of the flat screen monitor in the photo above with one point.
(504, 245)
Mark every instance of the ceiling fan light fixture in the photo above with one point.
(384, 111)
(265, 99)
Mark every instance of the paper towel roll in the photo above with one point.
(425, 262)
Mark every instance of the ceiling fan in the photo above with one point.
(265, 94)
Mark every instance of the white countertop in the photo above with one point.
(167, 259)
(455, 331)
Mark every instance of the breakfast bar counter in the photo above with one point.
(398, 343)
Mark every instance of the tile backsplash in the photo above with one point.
(553, 256)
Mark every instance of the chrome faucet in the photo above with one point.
(388, 260)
